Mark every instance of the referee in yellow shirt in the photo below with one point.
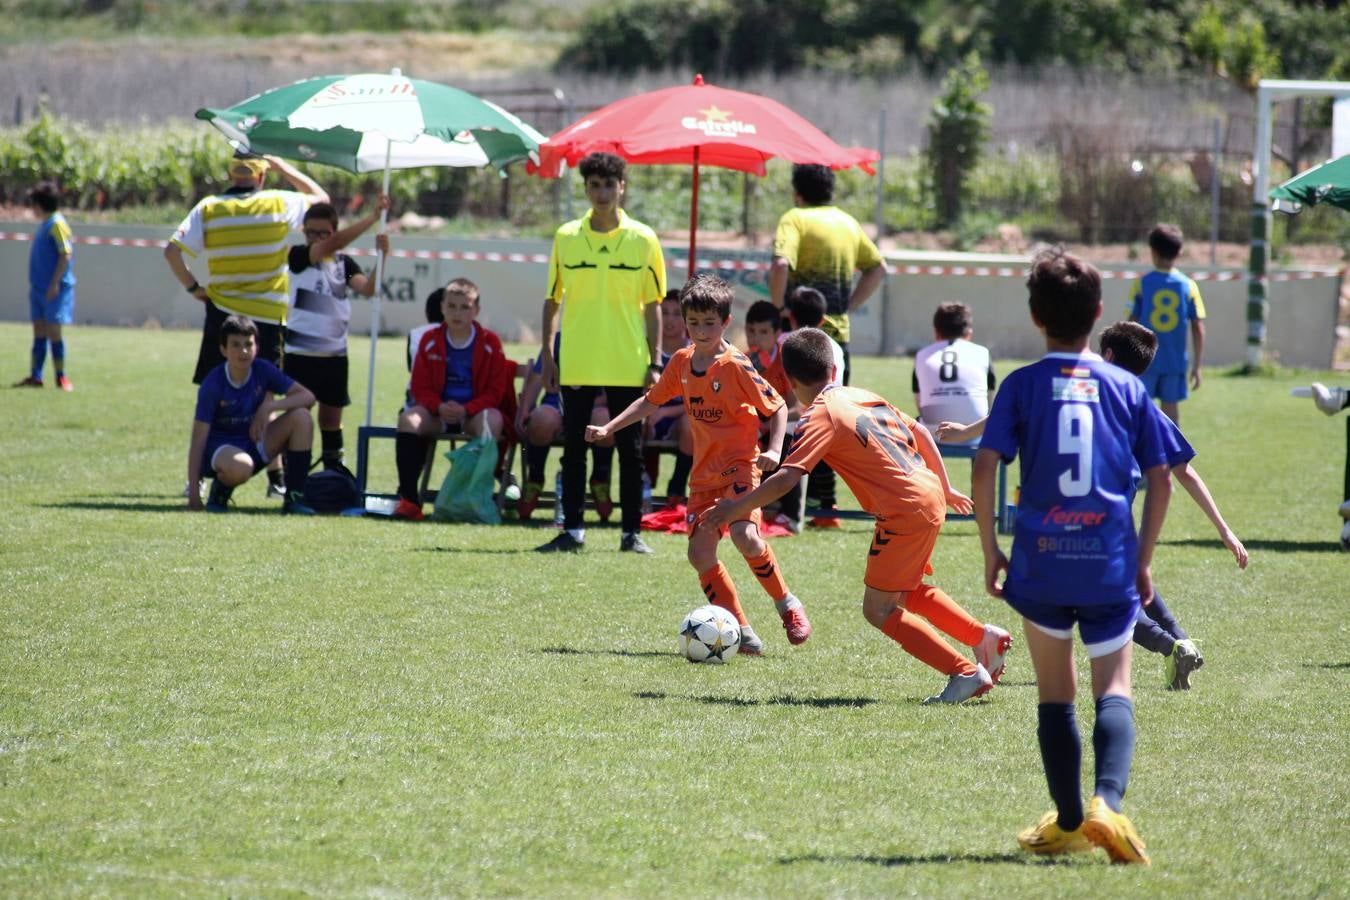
(606, 281)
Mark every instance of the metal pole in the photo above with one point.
(881, 230)
(379, 289)
(567, 191)
(1214, 158)
(379, 282)
(693, 222)
(1257, 305)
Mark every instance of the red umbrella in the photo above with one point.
(698, 124)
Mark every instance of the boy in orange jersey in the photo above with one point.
(764, 340)
(723, 399)
(893, 467)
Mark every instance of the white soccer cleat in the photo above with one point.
(751, 644)
(961, 688)
(991, 650)
(1328, 400)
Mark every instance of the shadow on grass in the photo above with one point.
(1334, 666)
(569, 651)
(1330, 545)
(1015, 859)
(179, 506)
(781, 700)
(473, 551)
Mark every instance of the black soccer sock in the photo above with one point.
(276, 478)
(1113, 743)
(410, 455)
(535, 459)
(1062, 757)
(679, 476)
(1158, 612)
(820, 485)
(297, 470)
(1152, 636)
(332, 447)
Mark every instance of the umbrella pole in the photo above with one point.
(693, 222)
(379, 288)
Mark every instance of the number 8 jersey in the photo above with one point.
(1080, 425)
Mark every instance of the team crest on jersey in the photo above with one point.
(716, 386)
(1081, 390)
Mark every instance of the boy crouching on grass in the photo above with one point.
(892, 465)
(232, 437)
(724, 398)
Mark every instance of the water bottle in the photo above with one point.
(646, 492)
(558, 516)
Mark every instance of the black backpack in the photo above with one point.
(331, 491)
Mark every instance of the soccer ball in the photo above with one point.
(710, 634)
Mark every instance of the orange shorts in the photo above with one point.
(898, 562)
(702, 501)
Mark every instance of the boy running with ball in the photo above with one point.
(724, 398)
(891, 464)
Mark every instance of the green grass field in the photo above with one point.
(252, 705)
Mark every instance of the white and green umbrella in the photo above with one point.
(373, 122)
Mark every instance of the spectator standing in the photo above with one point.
(606, 281)
(242, 235)
(819, 245)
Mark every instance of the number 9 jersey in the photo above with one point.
(1080, 425)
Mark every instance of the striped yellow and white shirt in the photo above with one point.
(244, 238)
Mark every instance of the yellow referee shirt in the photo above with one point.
(824, 246)
(604, 280)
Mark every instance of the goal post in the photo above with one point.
(1268, 93)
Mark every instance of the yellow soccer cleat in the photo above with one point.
(1113, 832)
(1046, 837)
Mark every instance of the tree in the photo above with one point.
(958, 128)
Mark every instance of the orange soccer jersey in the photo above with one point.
(723, 404)
(871, 445)
(772, 368)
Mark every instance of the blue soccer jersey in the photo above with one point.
(1083, 427)
(51, 240)
(1165, 303)
(230, 408)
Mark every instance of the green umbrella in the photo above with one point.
(1328, 183)
(373, 122)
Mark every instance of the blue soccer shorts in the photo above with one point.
(1104, 629)
(255, 450)
(1169, 387)
(60, 311)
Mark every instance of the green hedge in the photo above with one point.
(1092, 197)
